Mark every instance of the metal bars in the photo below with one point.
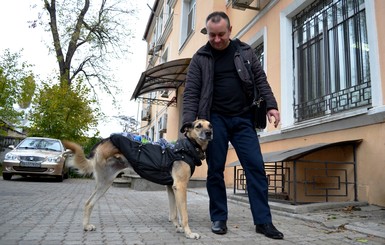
(331, 59)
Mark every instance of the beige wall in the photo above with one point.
(370, 156)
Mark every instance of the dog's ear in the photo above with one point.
(186, 127)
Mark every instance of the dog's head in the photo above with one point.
(201, 131)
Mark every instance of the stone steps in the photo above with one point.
(121, 182)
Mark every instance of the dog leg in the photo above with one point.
(181, 174)
(173, 216)
(99, 191)
(104, 176)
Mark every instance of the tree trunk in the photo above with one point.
(65, 62)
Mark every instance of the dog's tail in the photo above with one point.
(79, 160)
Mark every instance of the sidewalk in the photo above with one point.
(45, 212)
(354, 216)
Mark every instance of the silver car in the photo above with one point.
(36, 156)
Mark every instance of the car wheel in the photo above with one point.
(7, 176)
(60, 178)
(65, 172)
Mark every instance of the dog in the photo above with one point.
(111, 155)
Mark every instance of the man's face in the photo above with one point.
(219, 34)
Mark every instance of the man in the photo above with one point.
(219, 89)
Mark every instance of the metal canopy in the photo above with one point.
(166, 76)
(297, 153)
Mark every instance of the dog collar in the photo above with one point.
(198, 149)
(189, 148)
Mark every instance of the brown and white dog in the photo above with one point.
(107, 160)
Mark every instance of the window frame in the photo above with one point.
(187, 25)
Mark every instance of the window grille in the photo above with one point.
(331, 58)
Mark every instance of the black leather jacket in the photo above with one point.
(197, 96)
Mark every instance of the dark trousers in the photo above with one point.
(240, 132)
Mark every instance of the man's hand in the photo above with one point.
(274, 113)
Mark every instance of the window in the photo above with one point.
(164, 57)
(159, 25)
(188, 19)
(331, 58)
(260, 53)
(191, 17)
(168, 11)
(152, 134)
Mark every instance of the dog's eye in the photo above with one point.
(199, 125)
(210, 126)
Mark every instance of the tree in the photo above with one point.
(17, 86)
(63, 112)
(87, 35)
(129, 123)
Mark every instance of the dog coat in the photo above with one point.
(154, 163)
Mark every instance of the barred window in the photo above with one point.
(331, 58)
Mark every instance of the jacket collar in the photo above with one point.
(205, 50)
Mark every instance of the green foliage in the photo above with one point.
(90, 142)
(17, 85)
(63, 112)
(28, 87)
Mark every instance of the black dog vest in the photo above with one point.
(154, 163)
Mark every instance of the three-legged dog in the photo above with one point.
(109, 158)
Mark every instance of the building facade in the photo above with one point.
(322, 59)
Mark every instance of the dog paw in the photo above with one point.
(179, 229)
(89, 227)
(193, 236)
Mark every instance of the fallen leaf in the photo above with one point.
(331, 217)
(341, 227)
(363, 240)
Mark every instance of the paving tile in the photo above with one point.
(41, 212)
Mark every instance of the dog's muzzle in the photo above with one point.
(207, 135)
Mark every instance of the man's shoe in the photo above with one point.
(269, 230)
(219, 227)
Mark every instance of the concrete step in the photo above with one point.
(140, 184)
(121, 182)
(135, 182)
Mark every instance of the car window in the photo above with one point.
(43, 144)
(51, 145)
(28, 144)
